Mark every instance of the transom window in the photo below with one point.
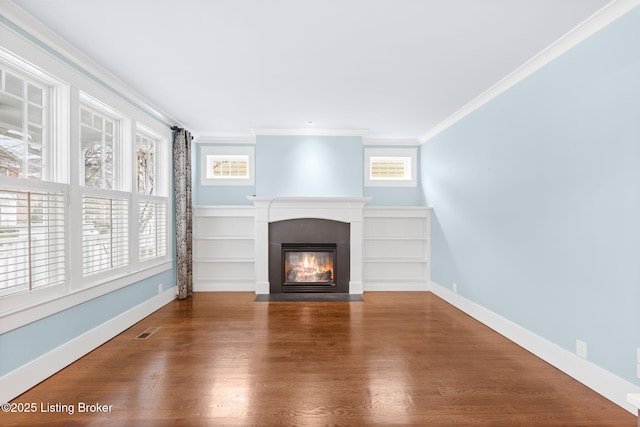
(397, 168)
(227, 165)
(390, 167)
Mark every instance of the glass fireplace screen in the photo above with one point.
(309, 266)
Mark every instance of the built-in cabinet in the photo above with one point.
(396, 246)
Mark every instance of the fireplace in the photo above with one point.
(309, 267)
(309, 255)
(308, 220)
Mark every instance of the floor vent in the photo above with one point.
(147, 333)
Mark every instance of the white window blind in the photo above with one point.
(153, 229)
(32, 239)
(105, 233)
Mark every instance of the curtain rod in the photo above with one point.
(178, 129)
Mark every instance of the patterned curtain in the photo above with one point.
(182, 185)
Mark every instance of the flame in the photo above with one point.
(308, 268)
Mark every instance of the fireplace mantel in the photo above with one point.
(271, 209)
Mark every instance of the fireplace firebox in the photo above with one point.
(309, 255)
(306, 266)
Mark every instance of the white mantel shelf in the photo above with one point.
(345, 209)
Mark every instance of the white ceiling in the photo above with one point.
(394, 67)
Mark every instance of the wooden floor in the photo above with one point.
(396, 359)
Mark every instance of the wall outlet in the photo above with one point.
(455, 288)
(581, 349)
(159, 288)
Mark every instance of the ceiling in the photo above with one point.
(393, 67)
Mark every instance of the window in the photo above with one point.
(398, 168)
(32, 239)
(227, 165)
(146, 164)
(98, 143)
(390, 167)
(33, 232)
(90, 165)
(152, 200)
(22, 126)
(105, 233)
(153, 229)
(233, 167)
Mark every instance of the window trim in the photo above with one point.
(409, 155)
(209, 152)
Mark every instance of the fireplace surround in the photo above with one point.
(309, 255)
(346, 210)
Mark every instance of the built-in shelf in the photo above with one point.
(395, 243)
(223, 248)
(396, 248)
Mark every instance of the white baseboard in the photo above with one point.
(224, 286)
(356, 288)
(262, 287)
(392, 285)
(598, 379)
(22, 379)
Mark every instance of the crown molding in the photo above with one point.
(605, 16)
(19, 21)
(225, 140)
(305, 132)
(411, 142)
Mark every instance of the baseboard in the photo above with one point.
(22, 379)
(224, 286)
(392, 285)
(356, 288)
(596, 378)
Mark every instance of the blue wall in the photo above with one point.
(27, 343)
(536, 200)
(319, 166)
(305, 166)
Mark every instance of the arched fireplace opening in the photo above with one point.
(309, 255)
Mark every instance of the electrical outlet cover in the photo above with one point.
(581, 349)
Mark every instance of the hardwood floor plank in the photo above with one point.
(398, 358)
